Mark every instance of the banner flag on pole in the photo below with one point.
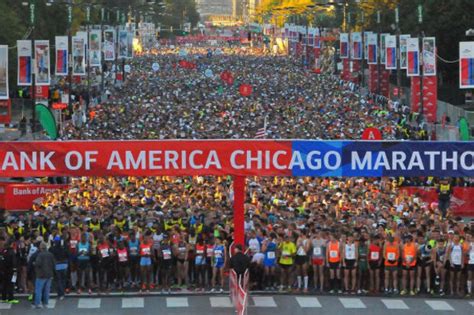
(122, 44)
(372, 49)
(403, 51)
(391, 52)
(366, 45)
(25, 54)
(78, 56)
(130, 45)
(356, 40)
(429, 56)
(466, 65)
(61, 44)
(41, 64)
(344, 45)
(109, 45)
(4, 94)
(382, 48)
(413, 57)
(317, 38)
(95, 40)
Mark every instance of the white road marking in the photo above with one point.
(220, 302)
(304, 301)
(5, 306)
(89, 303)
(439, 305)
(352, 303)
(177, 302)
(264, 301)
(395, 304)
(133, 303)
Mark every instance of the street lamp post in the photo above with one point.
(399, 73)
(379, 51)
(420, 24)
(70, 47)
(32, 13)
(102, 62)
(88, 19)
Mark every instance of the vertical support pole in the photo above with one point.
(239, 213)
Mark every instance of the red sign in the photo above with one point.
(430, 96)
(371, 134)
(461, 204)
(395, 91)
(245, 89)
(374, 80)
(59, 106)
(5, 112)
(22, 196)
(41, 92)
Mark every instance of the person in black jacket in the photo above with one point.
(8, 271)
(239, 261)
(61, 255)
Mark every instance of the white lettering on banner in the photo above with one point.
(158, 160)
(78, 158)
(233, 157)
(398, 159)
(296, 159)
(28, 162)
(275, 162)
(445, 160)
(463, 161)
(357, 164)
(416, 161)
(432, 155)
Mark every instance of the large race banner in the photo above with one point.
(429, 56)
(344, 45)
(95, 56)
(239, 158)
(391, 52)
(42, 63)
(4, 72)
(466, 65)
(78, 56)
(61, 55)
(25, 55)
(413, 57)
(109, 45)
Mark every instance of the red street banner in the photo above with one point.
(384, 80)
(22, 196)
(430, 97)
(461, 204)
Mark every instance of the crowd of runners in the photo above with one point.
(333, 235)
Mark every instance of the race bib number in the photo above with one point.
(73, 244)
(301, 251)
(456, 258)
(209, 252)
(271, 255)
(122, 257)
(133, 250)
(409, 258)
(285, 253)
(104, 252)
(200, 252)
(333, 254)
(218, 253)
(391, 256)
(317, 251)
(374, 256)
(146, 251)
(471, 258)
(350, 254)
(166, 254)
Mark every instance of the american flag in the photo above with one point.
(262, 132)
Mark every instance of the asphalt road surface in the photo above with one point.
(258, 305)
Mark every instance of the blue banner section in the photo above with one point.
(381, 158)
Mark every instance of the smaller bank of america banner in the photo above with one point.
(344, 45)
(356, 40)
(372, 49)
(413, 57)
(390, 52)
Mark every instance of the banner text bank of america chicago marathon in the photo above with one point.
(241, 158)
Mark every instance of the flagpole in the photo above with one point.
(265, 126)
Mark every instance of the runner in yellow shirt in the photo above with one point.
(287, 251)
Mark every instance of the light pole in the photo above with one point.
(420, 24)
(399, 73)
(88, 19)
(379, 51)
(31, 4)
